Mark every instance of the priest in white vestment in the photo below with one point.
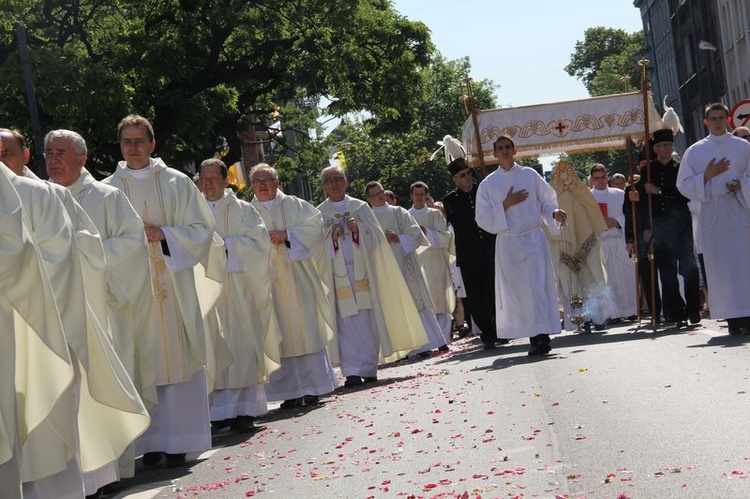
(376, 320)
(715, 172)
(245, 309)
(130, 302)
(74, 261)
(295, 229)
(437, 256)
(404, 236)
(179, 229)
(513, 202)
(576, 252)
(618, 264)
(29, 396)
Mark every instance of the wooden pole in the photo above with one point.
(474, 119)
(633, 217)
(643, 63)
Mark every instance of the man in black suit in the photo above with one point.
(672, 232)
(475, 252)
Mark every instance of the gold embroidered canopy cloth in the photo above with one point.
(572, 126)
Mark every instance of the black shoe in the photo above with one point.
(370, 379)
(219, 425)
(311, 400)
(464, 331)
(540, 344)
(243, 424)
(489, 345)
(735, 330)
(175, 460)
(444, 349)
(291, 403)
(502, 341)
(151, 459)
(352, 381)
(695, 318)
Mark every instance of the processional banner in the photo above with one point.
(597, 123)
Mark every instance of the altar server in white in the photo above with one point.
(513, 202)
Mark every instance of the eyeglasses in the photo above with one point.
(333, 180)
(467, 173)
(263, 181)
(376, 193)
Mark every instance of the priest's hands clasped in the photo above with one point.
(154, 234)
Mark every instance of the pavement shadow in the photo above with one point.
(636, 332)
(146, 478)
(728, 341)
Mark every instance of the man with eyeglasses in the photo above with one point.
(295, 229)
(179, 230)
(376, 320)
(715, 172)
(129, 300)
(245, 308)
(475, 252)
(617, 262)
(512, 202)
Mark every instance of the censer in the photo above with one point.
(577, 312)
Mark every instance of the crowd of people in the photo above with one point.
(160, 310)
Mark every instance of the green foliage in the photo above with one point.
(603, 57)
(196, 67)
(399, 158)
(615, 161)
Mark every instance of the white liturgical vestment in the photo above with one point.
(525, 284)
(723, 220)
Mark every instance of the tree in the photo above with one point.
(398, 158)
(195, 67)
(604, 56)
(600, 61)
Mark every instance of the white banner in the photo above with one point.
(597, 123)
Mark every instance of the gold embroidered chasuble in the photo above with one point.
(302, 308)
(167, 198)
(577, 259)
(380, 285)
(248, 320)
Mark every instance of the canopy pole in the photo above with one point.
(633, 216)
(478, 139)
(643, 63)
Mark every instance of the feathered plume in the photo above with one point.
(453, 149)
(670, 118)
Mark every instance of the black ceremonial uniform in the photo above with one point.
(475, 256)
(673, 241)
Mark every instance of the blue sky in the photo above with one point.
(522, 46)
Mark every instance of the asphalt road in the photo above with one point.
(625, 413)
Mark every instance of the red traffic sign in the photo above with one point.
(740, 114)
